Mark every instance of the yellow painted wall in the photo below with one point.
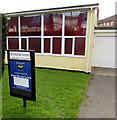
(60, 62)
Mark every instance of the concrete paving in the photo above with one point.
(103, 71)
(100, 99)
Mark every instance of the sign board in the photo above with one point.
(21, 65)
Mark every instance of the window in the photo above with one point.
(112, 23)
(104, 24)
(57, 43)
(79, 46)
(75, 23)
(23, 43)
(31, 25)
(12, 28)
(52, 33)
(68, 45)
(13, 43)
(35, 44)
(46, 45)
(107, 24)
(101, 25)
(53, 24)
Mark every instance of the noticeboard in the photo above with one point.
(21, 66)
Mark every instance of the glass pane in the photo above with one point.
(12, 27)
(53, 24)
(31, 25)
(79, 46)
(13, 43)
(35, 44)
(75, 23)
(23, 43)
(68, 45)
(57, 43)
(46, 45)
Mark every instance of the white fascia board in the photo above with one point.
(105, 31)
(49, 10)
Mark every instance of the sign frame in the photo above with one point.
(29, 95)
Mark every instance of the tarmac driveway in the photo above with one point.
(100, 99)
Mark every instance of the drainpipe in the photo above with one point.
(90, 37)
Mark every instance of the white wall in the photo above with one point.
(104, 49)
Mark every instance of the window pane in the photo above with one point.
(68, 45)
(79, 46)
(56, 46)
(23, 43)
(12, 28)
(75, 23)
(35, 44)
(13, 43)
(46, 45)
(53, 24)
(31, 25)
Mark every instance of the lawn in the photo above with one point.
(58, 95)
(0, 99)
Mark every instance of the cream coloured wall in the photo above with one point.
(104, 49)
(60, 62)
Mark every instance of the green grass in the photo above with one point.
(0, 99)
(58, 95)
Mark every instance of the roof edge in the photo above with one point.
(105, 28)
(51, 9)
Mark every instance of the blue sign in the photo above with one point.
(21, 76)
(21, 64)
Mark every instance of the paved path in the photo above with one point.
(100, 98)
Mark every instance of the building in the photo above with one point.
(108, 22)
(105, 43)
(61, 37)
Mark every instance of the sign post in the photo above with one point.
(21, 65)
(24, 102)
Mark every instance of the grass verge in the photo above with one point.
(0, 99)
(59, 95)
